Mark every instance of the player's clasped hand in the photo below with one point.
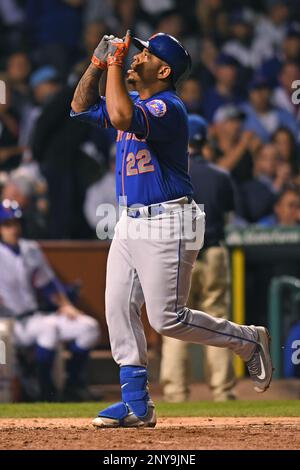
(118, 49)
(111, 51)
(99, 58)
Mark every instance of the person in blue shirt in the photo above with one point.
(258, 195)
(161, 228)
(226, 90)
(286, 209)
(262, 117)
(289, 52)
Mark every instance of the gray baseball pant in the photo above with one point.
(150, 261)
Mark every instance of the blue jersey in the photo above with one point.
(152, 157)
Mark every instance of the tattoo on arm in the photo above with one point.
(87, 90)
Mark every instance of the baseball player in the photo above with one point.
(23, 272)
(154, 187)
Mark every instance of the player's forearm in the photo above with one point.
(60, 299)
(118, 102)
(87, 90)
(102, 84)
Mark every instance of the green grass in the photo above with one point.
(286, 408)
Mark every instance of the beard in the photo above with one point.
(131, 83)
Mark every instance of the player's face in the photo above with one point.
(10, 232)
(145, 69)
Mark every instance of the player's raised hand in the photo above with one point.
(118, 49)
(127, 39)
(99, 58)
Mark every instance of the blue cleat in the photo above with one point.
(126, 417)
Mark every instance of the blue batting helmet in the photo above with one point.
(167, 48)
(197, 128)
(9, 210)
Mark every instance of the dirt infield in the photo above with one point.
(170, 433)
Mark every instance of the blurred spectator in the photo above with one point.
(291, 45)
(174, 22)
(225, 89)
(31, 195)
(171, 22)
(249, 50)
(235, 146)
(99, 10)
(12, 27)
(289, 52)
(282, 95)
(272, 27)
(284, 174)
(69, 164)
(10, 151)
(286, 210)
(11, 12)
(286, 147)
(128, 14)
(204, 66)
(44, 82)
(261, 116)
(18, 70)
(18, 189)
(99, 193)
(213, 19)
(156, 7)
(191, 94)
(54, 28)
(92, 34)
(259, 194)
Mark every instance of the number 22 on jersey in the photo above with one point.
(139, 163)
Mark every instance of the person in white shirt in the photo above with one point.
(272, 27)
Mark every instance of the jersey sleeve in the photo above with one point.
(157, 119)
(96, 115)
